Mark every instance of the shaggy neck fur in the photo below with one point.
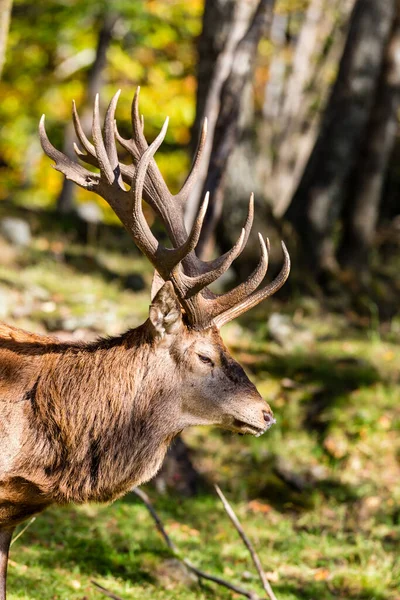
(100, 417)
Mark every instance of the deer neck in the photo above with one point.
(106, 414)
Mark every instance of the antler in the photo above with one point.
(189, 275)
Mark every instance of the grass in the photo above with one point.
(319, 495)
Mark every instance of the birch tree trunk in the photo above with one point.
(5, 17)
(307, 87)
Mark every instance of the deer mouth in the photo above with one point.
(243, 427)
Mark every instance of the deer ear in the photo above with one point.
(156, 284)
(165, 311)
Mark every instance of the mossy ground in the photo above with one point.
(319, 495)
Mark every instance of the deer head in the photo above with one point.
(185, 315)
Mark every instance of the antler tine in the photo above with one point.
(164, 259)
(258, 296)
(109, 132)
(156, 192)
(212, 265)
(90, 149)
(195, 232)
(195, 284)
(65, 165)
(225, 301)
(127, 171)
(187, 187)
(249, 221)
(138, 124)
(146, 240)
(90, 157)
(101, 153)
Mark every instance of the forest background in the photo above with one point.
(302, 100)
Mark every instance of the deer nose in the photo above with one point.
(268, 418)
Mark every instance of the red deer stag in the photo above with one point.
(87, 422)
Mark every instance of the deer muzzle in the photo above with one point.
(255, 421)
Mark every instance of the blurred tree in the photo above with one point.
(107, 21)
(5, 16)
(364, 193)
(226, 130)
(317, 49)
(228, 66)
(224, 24)
(318, 200)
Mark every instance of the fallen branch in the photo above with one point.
(105, 591)
(202, 574)
(23, 530)
(171, 545)
(255, 558)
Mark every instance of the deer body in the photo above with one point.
(79, 423)
(87, 422)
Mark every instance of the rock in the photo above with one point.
(71, 323)
(286, 471)
(283, 331)
(78, 335)
(172, 572)
(279, 328)
(16, 231)
(39, 293)
(90, 212)
(299, 478)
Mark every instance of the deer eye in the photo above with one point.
(206, 360)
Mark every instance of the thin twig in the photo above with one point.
(23, 530)
(146, 501)
(201, 574)
(229, 510)
(105, 591)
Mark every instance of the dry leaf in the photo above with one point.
(322, 575)
(259, 507)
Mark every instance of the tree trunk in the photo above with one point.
(277, 71)
(227, 124)
(224, 24)
(366, 181)
(178, 472)
(65, 201)
(307, 87)
(317, 202)
(5, 17)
